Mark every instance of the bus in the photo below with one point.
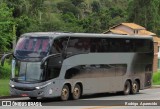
(69, 65)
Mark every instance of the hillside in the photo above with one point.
(92, 16)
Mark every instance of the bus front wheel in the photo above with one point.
(127, 88)
(76, 92)
(65, 93)
(135, 87)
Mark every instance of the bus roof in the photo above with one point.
(61, 34)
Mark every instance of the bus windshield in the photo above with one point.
(27, 72)
(32, 47)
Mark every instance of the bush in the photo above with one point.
(5, 70)
(156, 78)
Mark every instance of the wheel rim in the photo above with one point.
(134, 88)
(65, 94)
(127, 88)
(76, 92)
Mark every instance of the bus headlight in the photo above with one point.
(39, 87)
(12, 85)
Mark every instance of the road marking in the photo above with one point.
(101, 107)
(98, 107)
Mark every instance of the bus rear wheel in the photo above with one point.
(65, 93)
(76, 92)
(127, 88)
(135, 87)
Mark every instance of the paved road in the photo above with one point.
(102, 101)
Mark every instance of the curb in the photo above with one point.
(155, 86)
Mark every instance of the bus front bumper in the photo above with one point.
(33, 93)
(46, 92)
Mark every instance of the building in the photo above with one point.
(134, 29)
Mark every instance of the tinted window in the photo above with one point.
(143, 45)
(59, 45)
(52, 73)
(32, 47)
(78, 45)
(100, 45)
(94, 71)
(120, 45)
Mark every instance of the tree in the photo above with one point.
(67, 7)
(6, 27)
(77, 2)
(95, 6)
(145, 13)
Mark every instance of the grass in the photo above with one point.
(5, 70)
(4, 87)
(156, 78)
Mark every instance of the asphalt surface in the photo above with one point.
(145, 97)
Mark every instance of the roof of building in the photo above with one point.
(145, 32)
(156, 39)
(141, 31)
(130, 25)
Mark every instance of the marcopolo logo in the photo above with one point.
(6, 103)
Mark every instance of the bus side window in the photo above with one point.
(59, 45)
(52, 73)
(55, 48)
(71, 73)
(78, 45)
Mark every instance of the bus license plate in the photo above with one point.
(24, 95)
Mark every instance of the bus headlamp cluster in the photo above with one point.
(39, 87)
(12, 85)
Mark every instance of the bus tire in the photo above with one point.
(65, 93)
(76, 92)
(127, 88)
(135, 87)
(33, 98)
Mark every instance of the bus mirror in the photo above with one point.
(4, 57)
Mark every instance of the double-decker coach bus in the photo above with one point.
(48, 64)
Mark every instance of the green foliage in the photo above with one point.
(156, 78)
(95, 6)
(92, 16)
(77, 2)
(145, 13)
(6, 26)
(4, 84)
(5, 70)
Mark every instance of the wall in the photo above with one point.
(124, 28)
(155, 60)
